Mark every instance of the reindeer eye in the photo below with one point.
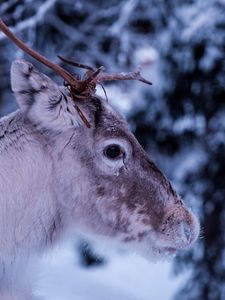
(113, 151)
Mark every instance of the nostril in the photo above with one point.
(187, 231)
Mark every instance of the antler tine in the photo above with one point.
(76, 64)
(136, 75)
(93, 77)
(62, 72)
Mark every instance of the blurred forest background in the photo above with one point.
(180, 120)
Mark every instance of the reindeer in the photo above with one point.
(68, 160)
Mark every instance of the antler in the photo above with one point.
(106, 76)
(136, 75)
(63, 73)
(79, 88)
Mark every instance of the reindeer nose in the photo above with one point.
(186, 232)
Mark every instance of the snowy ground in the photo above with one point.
(124, 277)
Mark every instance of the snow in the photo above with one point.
(120, 99)
(30, 22)
(125, 13)
(146, 56)
(188, 122)
(189, 161)
(124, 277)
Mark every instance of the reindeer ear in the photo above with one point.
(44, 102)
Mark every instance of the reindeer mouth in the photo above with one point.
(160, 249)
(168, 251)
(165, 252)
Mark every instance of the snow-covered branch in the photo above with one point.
(32, 21)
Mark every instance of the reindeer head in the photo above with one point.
(102, 179)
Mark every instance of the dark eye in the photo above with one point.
(113, 151)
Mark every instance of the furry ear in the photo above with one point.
(44, 102)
